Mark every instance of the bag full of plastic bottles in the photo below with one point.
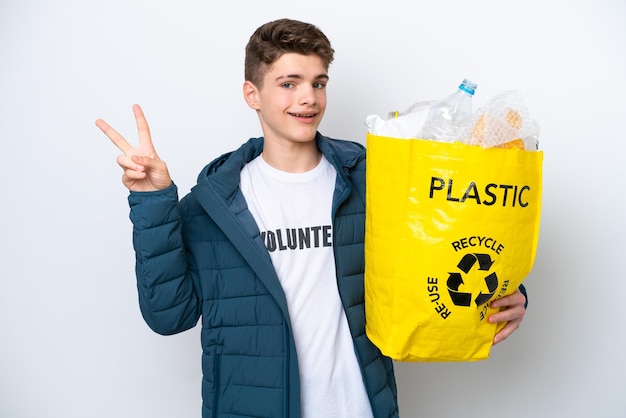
(452, 224)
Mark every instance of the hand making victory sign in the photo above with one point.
(144, 171)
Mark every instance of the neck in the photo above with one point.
(294, 158)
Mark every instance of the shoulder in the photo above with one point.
(233, 161)
(340, 145)
(342, 152)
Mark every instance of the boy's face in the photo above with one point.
(292, 101)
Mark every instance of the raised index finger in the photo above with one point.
(114, 136)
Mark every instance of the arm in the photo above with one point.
(167, 298)
(168, 301)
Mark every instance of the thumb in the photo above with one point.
(145, 162)
(139, 160)
(152, 166)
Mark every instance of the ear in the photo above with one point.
(250, 94)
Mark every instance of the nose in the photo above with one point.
(307, 95)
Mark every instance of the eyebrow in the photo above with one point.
(299, 77)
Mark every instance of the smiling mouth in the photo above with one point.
(303, 115)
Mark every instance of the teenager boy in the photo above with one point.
(267, 249)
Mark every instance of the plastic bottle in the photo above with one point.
(446, 118)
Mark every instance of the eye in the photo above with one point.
(287, 85)
(319, 85)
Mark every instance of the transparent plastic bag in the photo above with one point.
(405, 124)
(503, 122)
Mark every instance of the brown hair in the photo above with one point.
(273, 39)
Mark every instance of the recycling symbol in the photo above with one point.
(455, 280)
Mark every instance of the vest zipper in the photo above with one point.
(217, 363)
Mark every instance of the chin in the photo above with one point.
(305, 135)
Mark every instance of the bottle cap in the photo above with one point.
(468, 86)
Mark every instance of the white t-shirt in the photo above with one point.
(293, 212)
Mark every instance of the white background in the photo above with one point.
(72, 341)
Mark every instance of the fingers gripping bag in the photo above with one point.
(450, 227)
